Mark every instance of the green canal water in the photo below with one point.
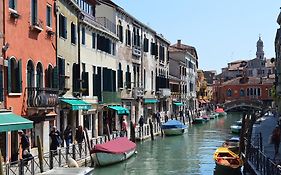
(188, 154)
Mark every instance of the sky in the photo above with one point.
(221, 30)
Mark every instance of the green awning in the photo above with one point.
(77, 104)
(12, 122)
(178, 103)
(150, 101)
(120, 110)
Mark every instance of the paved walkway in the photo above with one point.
(265, 128)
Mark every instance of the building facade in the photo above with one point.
(29, 88)
(278, 65)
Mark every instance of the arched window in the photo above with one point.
(242, 93)
(128, 36)
(259, 92)
(120, 76)
(229, 93)
(39, 75)
(120, 31)
(14, 76)
(49, 77)
(30, 74)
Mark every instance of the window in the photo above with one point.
(93, 40)
(83, 35)
(120, 31)
(152, 81)
(14, 76)
(13, 4)
(242, 93)
(128, 36)
(73, 33)
(229, 93)
(259, 91)
(49, 16)
(128, 78)
(34, 12)
(120, 76)
(145, 44)
(39, 75)
(63, 26)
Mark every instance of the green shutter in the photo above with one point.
(85, 83)
(9, 76)
(1, 85)
(20, 76)
(55, 77)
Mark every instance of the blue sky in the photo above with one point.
(222, 31)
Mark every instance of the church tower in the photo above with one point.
(260, 52)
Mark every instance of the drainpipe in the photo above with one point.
(79, 15)
(4, 56)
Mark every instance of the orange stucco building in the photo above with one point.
(29, 65)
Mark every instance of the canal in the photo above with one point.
(189, 154)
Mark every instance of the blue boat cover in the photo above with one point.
(173, 124)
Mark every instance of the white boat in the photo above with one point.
(70, 171)
(236, 128)
(173, 127)
(113, 151)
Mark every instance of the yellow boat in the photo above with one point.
(226, 159)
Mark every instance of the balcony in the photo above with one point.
(111, 97)
(106, 23)
(37, 26)
(42, 97)
(136, 51)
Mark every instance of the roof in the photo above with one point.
(249, 80)
(184, 47)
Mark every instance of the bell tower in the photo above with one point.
(260, 52)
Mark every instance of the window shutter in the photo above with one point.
(9, 76)
(62, 74)
(85, 83)
(55, 77)
(19, 76)
(65, 27)
(129, 38)
(1, 84)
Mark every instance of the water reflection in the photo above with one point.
(189, 154)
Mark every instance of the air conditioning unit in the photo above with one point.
(136, 51)
(138, 92)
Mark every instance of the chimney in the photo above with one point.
(179, 43)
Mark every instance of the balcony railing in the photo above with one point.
(111, 97)
(106, 23)
(42, 97)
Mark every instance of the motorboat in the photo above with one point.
(173, 127)
(236, 128)
(113, 151)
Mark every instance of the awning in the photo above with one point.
(178, 103)
(150, 101)
(120, 110)
(12, 122)
(77, 104)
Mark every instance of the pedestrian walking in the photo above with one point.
(24, 147)
(55, 140)
(79, 137)
(275, 139)
(67, 135)
(141, 122)
(124, 128)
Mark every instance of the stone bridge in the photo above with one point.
(244, 104)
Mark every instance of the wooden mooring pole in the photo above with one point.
(40, 154)
(151, 129)
(1, 164)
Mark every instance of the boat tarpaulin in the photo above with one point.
(117, 146)
(173, 124)
(219, 110)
